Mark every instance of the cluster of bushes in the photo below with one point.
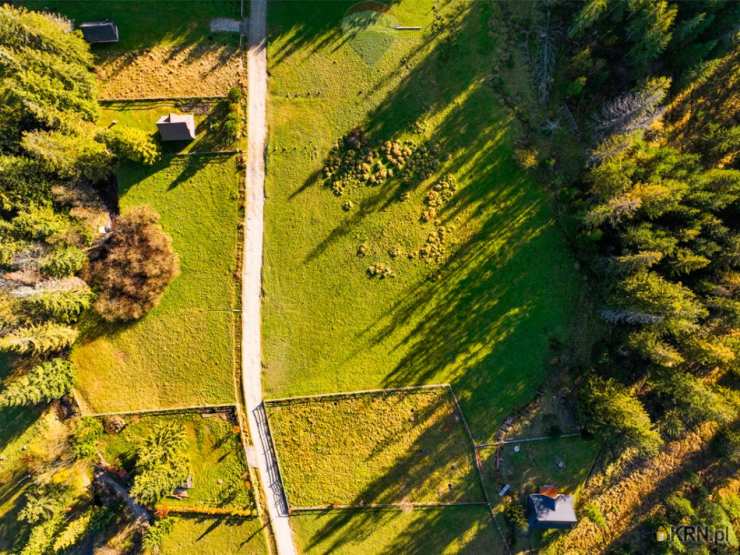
(354, 160)
(440, 194)
(233, 121)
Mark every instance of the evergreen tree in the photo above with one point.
(161, 463)
(62, 306)
(38, 339)
(45, 382)
(611, 411)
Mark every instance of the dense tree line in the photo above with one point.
(52, 157)
(654, 211)
(659, 203)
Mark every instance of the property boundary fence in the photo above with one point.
(385, 506)
(355, 393)
(393, 506)
(160, 99)
(196, 409)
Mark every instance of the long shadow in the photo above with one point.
(412, 473)
(317, 28)
(483, 319)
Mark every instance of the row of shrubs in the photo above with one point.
(233, 120)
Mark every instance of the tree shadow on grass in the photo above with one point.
(312, 29)
(484, 318)
(413, 478)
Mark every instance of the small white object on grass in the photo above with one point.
(516, 448)
(504, 490)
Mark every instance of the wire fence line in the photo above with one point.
(355, 393)
(385, 506)
(113, 100)
(527, 439)
(196, 409)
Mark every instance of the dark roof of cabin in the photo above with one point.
(176, 127)
(99, 31)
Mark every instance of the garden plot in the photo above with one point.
(397, 447)
(166, 49)
(182, 352)
(561, 462)
(220, 479)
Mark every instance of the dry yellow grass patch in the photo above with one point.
(167, 71)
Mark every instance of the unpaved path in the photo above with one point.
(252, 277)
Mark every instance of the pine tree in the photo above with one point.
(38, 339)
(161, 465)
(612, 411)
(45, 382)
(62, 306)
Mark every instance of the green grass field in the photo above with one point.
(209, 119)
(217, 465)
(213, 536)
(182, 352)
(536, 464)
(452, 530)
(403, 447)
(480, 315)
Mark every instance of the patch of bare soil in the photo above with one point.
(161, 72)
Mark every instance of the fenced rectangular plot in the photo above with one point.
(182, 352)
(378, 448)
(219, 479)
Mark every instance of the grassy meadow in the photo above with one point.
(478, 312)
(165, 48)
(401, 447)
(182, 352)
(451, 530)
(214, 536)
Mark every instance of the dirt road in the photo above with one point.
(252, 276)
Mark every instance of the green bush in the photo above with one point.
(232, 128)
(235, 95)
(131, 143)
(594, 514)
(63, 262)
(84, 440)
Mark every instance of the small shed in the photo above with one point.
(99, 31)
(550, 509)
(176, 127)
